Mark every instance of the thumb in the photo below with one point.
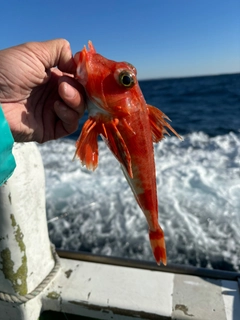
(56, 53)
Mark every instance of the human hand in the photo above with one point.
(40, 102)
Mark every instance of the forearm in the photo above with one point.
(7, 161)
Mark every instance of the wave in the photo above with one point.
(198, 183)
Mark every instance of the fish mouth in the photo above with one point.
(91, 49)
(81, 60)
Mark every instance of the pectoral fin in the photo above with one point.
(116, 144)
(159, 124)
(87, 146)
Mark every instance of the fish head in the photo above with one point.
(111, 86)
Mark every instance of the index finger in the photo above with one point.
(56, 53)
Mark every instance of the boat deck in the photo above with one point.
(111, 288)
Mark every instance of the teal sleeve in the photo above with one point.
(7, 161)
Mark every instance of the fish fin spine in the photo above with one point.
(158, 124)
(87, 146)
(117, 145)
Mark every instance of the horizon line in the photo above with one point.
(190, 76)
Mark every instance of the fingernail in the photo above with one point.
(69, 91)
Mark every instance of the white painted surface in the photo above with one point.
(112, 292)
(24, 241)
(110, 287)
(197, 298)
(29, 311)
(231, 299)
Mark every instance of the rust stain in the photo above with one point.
(68, 273)
(184, 309)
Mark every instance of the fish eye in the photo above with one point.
(126, 79)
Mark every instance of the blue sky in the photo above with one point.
(162, 38)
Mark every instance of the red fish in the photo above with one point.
(119, 113)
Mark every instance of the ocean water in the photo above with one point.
(198, 182)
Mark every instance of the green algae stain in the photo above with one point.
(53, 295)
(18, 278)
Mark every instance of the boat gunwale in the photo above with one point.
(147, 265)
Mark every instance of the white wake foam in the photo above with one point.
(198, 183)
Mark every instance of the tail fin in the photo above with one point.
(158, 245)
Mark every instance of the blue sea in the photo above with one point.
(198, 182)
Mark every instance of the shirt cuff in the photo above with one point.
(7, 161)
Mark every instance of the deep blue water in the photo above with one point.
(210, 104)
